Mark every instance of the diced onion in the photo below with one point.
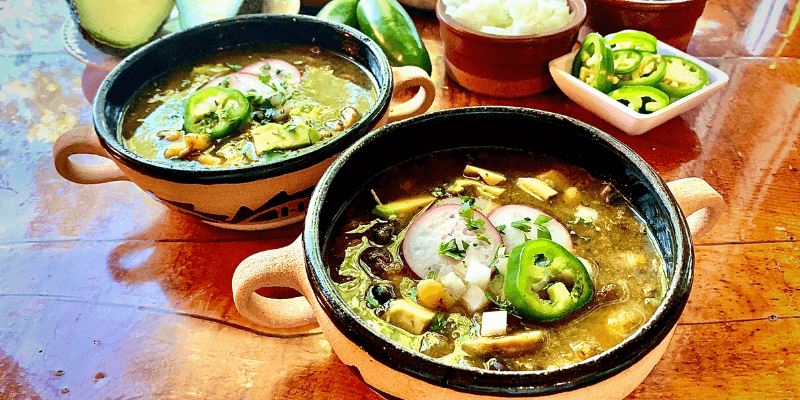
(510, 17)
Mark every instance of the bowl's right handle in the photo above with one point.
(83, 140)
(701, 204)
(405, 78)
(284, 267)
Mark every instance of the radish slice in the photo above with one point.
(441, 224)
(279, 70)
(243, 82)
(513, 237)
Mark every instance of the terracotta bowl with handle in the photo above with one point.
(395, 372)
(671, 21)
(260, 196)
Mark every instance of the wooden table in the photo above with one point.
(104, 293)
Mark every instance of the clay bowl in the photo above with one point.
(671, 21)
(250, 197)
(505, 66)
(396, 372)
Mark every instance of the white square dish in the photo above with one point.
(622, 117)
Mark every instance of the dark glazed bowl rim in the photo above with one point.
(109, 135)
(513, 383)
(574, 24)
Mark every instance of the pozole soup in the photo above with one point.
(496, 259)
(247, 106)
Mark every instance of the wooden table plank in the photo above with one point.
(104, 293)
(146, 354)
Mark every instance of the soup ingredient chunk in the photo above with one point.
(512, 345)
(402, 207)
(408, 315)
(215, 111)
(545, 282)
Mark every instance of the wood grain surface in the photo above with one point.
(106, 294)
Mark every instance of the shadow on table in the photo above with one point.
(327, 378)
(195, 277)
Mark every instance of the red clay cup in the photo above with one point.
(671, 21)
(505, 66)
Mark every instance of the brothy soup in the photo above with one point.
(247, 106)
(496, 259)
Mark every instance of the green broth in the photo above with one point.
(629, 283)
(329, 83)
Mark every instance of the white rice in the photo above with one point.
(510, 17)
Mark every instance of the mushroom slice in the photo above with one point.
(512, 345)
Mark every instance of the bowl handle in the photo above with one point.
(83, 140)
(405, 78)
(284, 267)
(700, 203)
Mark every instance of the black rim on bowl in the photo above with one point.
(162, 55)
(532, 130)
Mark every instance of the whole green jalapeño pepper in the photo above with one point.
(682, 77)
(389, 25)
(649, 72)
(215, 111)
(341, 11)
(635, 40)
(545, 282)
(594, 63)
(642, 99)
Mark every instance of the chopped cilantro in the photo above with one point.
(438, 323)
(503, 304)
(501, 228)
(468, 214)
(452, 250)
(522, 224)
(438, 192)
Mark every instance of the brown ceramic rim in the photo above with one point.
(504, 383)
(107, 114)
(578, 19)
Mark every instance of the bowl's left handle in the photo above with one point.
(83, 140)
(406, 78)
(284, 267)
(700, 203)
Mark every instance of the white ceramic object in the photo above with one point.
(622, 117)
